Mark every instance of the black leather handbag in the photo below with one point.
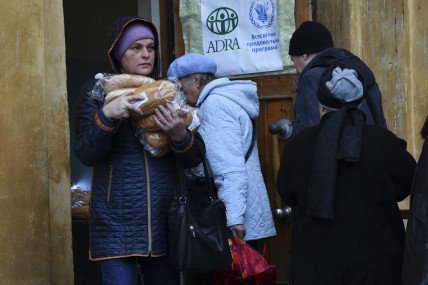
(197, 226)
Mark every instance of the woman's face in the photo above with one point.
(191, 88)
(139, 58)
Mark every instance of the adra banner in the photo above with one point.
(241, 36)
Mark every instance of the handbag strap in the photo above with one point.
(180, 185)
(253, 140)
(209, 178)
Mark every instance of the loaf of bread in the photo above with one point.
(160, 152)
(126, 81)
(117, 93)
(193, 120)
(147, 122)
(157, 140)
(156, 93)
(80, 213)
(189, 118)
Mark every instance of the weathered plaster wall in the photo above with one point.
(35, 235)
(391, 37)
(417, 60)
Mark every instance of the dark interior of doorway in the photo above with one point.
(86, 24)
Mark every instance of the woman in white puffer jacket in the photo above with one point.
(227, 109)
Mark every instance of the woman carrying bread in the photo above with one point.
(131, 191)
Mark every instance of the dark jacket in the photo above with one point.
(415, 270)
(130, 191)
(306, 107)
(363, 244)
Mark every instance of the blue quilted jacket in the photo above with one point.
(130, 190)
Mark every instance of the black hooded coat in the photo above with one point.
(306, 107)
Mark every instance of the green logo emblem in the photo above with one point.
(222, 21)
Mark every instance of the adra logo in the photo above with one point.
(222, 21)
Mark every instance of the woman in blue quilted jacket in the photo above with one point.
(131, 190)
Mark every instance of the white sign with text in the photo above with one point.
(241, 36)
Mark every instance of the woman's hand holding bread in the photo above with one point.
(122, 107)
(171, 121)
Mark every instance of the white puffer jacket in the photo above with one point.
(225, 110)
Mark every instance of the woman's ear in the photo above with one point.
(197, 79)
(305, 57)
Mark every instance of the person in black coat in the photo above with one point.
(343, 179)
(312, 52)
(415, 271)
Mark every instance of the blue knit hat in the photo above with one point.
(191, 63)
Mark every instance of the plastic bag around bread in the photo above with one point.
(147, 123)
(126, 81)
(193, 120)
(155, 94)
(117, 93)
(155, 143)
(146, 130)
(157, 139)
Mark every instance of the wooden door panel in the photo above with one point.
(276, 95)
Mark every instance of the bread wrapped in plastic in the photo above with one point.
(126, 81)
(157, 139)
(80, 213)
(155, 94)
(117, 93)
(147, 122)
(193, 120)
(159, 152)
(80, 197)
(156, 142)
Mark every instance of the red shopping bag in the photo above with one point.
(249, 267)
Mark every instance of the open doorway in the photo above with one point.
(86, 25)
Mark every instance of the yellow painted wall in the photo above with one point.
(35, 223)
(391, 37)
